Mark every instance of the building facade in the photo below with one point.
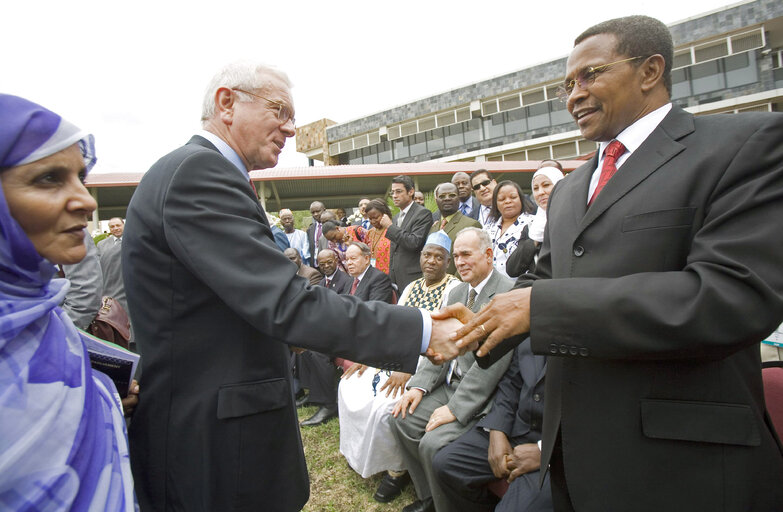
(727, 60)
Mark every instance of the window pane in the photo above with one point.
(435, 140)
(493, 127)
(559, 114)
(538, 116)
(401, 148)
(385, 152)
(741, 69)
(454, 136)
(472, 130)
(681, 85)
(370, 155)
(516, 122)
(707, 77)
(418, 144)
(355, 157)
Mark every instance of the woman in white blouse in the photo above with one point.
(509, 207)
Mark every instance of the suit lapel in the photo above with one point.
(660, 147)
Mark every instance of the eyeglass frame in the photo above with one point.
(587, 77)
(281, 107)
(478, 186)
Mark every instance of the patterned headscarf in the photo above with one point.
(62, 435)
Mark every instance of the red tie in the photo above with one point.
(355, 285)
(611, 154)
(443, 223)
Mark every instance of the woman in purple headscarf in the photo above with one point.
(63, 444)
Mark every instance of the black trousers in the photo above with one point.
(463, 470)
(317, 373)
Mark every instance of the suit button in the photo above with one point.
(573, 351)
(564, 349)
(553, 349)
(584, 352)
(536, 397)
(579, 250)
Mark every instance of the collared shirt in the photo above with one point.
(484, 215)
(479, 286)
(466, 207)
(361, 276)
(403, 213)
(632, 137)
(227, 151)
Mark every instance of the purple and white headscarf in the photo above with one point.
(63, 444)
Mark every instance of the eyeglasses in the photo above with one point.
(284, 113)
(586, 78)
(484, 183)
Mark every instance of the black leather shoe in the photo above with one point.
(391, 487)
(322, 415)
(425, 505)
(301, 401)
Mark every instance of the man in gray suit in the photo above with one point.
(217, 306)
(442, 402)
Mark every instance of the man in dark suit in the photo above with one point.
(468, 205)
(407, 232)
(369, 283)
(218, 304)
(314, 233)
(444, 401)
(503, 445)
(655, 287)
(334, 279)
(451, 221)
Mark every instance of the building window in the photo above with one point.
(401, 149)
(472, 131)
(681, 84)
(417, 144)
(558, 113)
(741, 69)
(454, 137)
(435, 140)
(516, 122)
(538, 116)
(707, 77)
(385, 152)
(493, 127)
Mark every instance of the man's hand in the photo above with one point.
(408, 402)
(498, 453)
(385, 221)
(442, 347)
(396, 382)
(357, 368)
(506, 315)
(459, 312)
(524, 459)
(130, 402)
(440, 416)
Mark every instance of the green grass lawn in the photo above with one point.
(334, 486)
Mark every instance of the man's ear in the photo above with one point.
(652, 70)
(225, 99)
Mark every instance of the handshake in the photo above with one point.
(456, 329)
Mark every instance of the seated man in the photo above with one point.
(443, 402)
(304, 271)
(366, 398)
(369, 283)
(316, 371)
(504, 444)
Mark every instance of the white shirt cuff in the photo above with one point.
(426, 331)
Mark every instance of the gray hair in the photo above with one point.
(240, 75)
(366, 251)
(483, 237)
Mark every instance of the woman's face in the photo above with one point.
(509, 203)
(49, 201)
(336, 235)
(375, 217)
(542, 187)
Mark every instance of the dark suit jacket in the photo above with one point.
(375, 285)
(340, 283)
(652, 305)
(456, 224)
(518, 408)
(406, 244)
(214, 305)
